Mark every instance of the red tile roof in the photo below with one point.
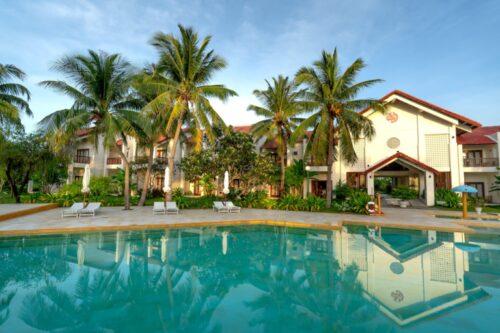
(83, 132)
(434, 107)
(479, 136)
(403, 157)
(243, 129)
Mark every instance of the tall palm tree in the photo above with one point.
(282, 101)
(14, 97)
(150, 125)
(99, 84)
(336, 123)
(186, 67)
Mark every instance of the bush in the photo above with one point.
(354, 203)
(342, 191)
(255, 199)
(450, 198)
(405, 193)
(315, 204)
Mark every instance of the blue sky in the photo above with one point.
(446, 52)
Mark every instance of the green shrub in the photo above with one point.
(354, 203)
(450, 198)
(291, 202)
(405, 193)
(342, 191)
(314, 204)
(255, 199)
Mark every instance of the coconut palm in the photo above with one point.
(99, 84)
(14, 97)
(336, 123)
(149, 126)
(282, 102)
(186, 67)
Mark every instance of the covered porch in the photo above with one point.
(403, 170)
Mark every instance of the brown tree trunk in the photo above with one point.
(171, 153)
(126, 189)
(145, 184)
(283, 166)
(329, 162)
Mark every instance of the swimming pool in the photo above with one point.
(251, 279)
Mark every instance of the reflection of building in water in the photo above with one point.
(409, 275)
(484, 265)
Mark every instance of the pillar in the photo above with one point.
(429, 188)
(370, 183)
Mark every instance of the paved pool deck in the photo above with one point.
(115, 218)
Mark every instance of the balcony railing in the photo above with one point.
(481, 162)
(161, 160)
(82, 159)
(114, 160)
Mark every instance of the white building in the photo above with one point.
(417, 144)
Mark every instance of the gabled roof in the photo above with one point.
(243, 129)
(431, 106)
(404, 157)
(479, 136)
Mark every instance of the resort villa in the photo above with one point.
(417, 144)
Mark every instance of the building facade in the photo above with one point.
(417, 144)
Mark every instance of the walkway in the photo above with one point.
(114, 218)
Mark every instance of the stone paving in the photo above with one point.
(113, 218)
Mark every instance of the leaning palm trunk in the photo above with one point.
(126, 185)
(145, 184)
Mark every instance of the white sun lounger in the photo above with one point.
(172, 207)
(232, 207)
(219, 207)
(72, 211)
(159, 208)
(90, 210)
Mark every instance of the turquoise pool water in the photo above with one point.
(251, 279)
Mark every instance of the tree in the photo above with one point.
(186, 67)
(100, 89)
(296, 174)
(282, 102)
(233, 152)
(24, 157)
(14, 97)
(336, 123)
(149, 127)
(496, 185)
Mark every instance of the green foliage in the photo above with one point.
(14, 97)
(496, 185)
(296, 173)
(341, 191)
(314, 204)
(405, 193)
(450, 198)
(233, 152)
(255, 199)
(355, 202)
(383, 184)
(297, 203)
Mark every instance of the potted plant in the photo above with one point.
(406, 194)
(479, 204)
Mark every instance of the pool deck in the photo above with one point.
(115, 218)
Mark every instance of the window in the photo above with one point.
(479, 187)
(82, 156)
(473, 158)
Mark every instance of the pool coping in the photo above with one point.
(460, 227)
(27, 211)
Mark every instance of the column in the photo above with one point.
(429, 188)
(370, 183)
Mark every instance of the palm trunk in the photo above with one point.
(126, 190)
(329, 162)
(145, 184)
(171, 153)
(283, 166)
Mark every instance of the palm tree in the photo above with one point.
(336, 123)
(282, 101)
(150, 127)
(14, 97)
(100, 89)
(186, 67)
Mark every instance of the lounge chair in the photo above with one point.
(159, 208)
(219, 207)
(172, 207)
(72, 211)
(90, 210)
(232, 207)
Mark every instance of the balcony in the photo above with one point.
(82, 159)
(113, 160)
(161, 160)
(481, 162)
